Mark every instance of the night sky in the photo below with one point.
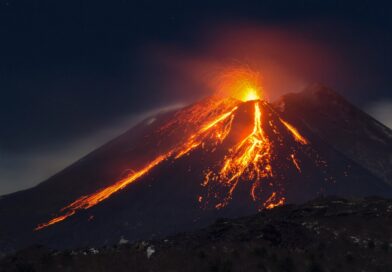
(74, 74)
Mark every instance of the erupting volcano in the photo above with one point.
(229, 155)
(249, 159)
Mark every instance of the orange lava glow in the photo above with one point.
(218, 134)
(241, 83)
(86, 202)
(295, 162)
(273, 201)
(249, 159)
(297, 136)
(55, 220)
(215, 129)
(250, 94)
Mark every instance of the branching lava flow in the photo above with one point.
(250, 159)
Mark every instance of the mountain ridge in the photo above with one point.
(308, 102)
(324, 234)
(150, 207)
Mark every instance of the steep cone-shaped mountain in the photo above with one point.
(343, 126)
(181, 170)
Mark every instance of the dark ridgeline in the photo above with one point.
(326, 234)
(355, 147)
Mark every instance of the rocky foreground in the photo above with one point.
(322, 235)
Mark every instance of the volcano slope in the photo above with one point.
(216, 158)
(326, 234)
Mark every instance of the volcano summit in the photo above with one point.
(220, 157)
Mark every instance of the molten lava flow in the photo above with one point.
(86, 202)
(295, 162)
(206, 125)
(297, 136)
(55, 220)
(198, 114)
(249, 159)
(215, 129)
(216, 136)
(273, 201)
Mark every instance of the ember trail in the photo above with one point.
(248, 160)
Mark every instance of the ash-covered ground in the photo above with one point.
(328, 234)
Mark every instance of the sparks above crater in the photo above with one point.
(241, 83)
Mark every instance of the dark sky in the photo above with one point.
(74, 74)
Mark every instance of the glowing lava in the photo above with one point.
(273, 201)
(86, 202)
(250, 94)
(241, 83)
(249, 159)
(215, 130)
(295, 162)
(297, 136)
(221, 130)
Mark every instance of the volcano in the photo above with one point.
(219, 157)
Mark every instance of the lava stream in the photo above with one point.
(249, 159)
(295, 162)
(205, 133)
(297, 136)
(86, 202)
(273, 201)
